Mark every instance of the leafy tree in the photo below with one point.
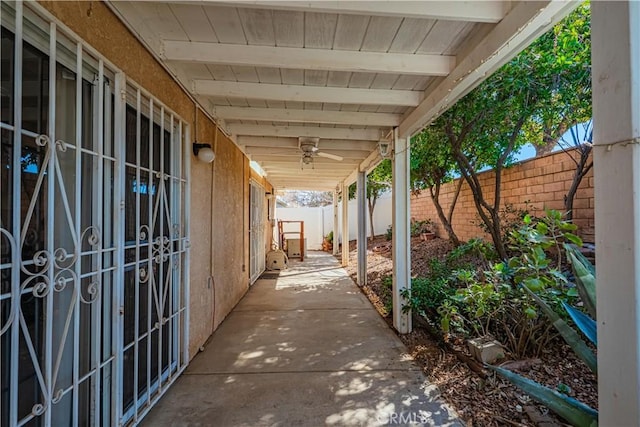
(378, 182)
(431, 166)
(565, 53)
(484, 129)
(489, 124)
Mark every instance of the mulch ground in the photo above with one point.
(479, 402)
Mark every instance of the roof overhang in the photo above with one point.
(346, 72)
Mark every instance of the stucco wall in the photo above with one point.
(230, 222)
(219, 191)
(535, 184)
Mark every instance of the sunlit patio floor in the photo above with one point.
(305, 349)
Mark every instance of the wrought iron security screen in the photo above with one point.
(257, 231)
(155, 253)
(93, 237)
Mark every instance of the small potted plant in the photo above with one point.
(327, 242)
(426, 228)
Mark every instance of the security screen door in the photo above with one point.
(154, 252)
(93, 238)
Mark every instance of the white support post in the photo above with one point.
(335, 222)
(616, 111)
(361, 198)
(401, 211)
(345, 224)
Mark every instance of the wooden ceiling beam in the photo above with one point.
(300, 93)
(306, 131)
(307, 116)
(307, 59)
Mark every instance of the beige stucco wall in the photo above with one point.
(231, 228)
(219, 191)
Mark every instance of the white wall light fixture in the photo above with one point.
(203, 152)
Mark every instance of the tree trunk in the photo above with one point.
(372, 204)
(489, 213)
(446, 221)
(547, 145)
(486, 212)
(581, 170)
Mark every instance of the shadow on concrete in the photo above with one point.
(307, 349)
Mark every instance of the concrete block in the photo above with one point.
(485, 350)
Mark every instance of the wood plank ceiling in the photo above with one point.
(346, 72)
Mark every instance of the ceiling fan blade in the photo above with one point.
(329, 156)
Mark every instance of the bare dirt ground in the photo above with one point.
(479, 402)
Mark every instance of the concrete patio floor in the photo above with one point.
(307, 349)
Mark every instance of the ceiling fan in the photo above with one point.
(309, 148)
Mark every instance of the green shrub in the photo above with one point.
(518, 301)
(577, 413)
(426, 295)
(418, 227)
(387, 294)
(329, 237)
(510, 219)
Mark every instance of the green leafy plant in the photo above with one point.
(476, 251)
(491, 298)
(577, 413)
(510, 218)
(389, 234)
(482, 301)
(424, 226)
(585, 275)
(329, 237)
(427, 294)
(387, 294)
(530, 264)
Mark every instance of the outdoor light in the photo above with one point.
(383, 147)
(203, 152)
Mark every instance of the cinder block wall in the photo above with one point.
(536, 184)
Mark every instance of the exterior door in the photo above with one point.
(257, 231)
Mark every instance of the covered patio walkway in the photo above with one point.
(305, 349)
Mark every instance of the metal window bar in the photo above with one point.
(16, 213)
